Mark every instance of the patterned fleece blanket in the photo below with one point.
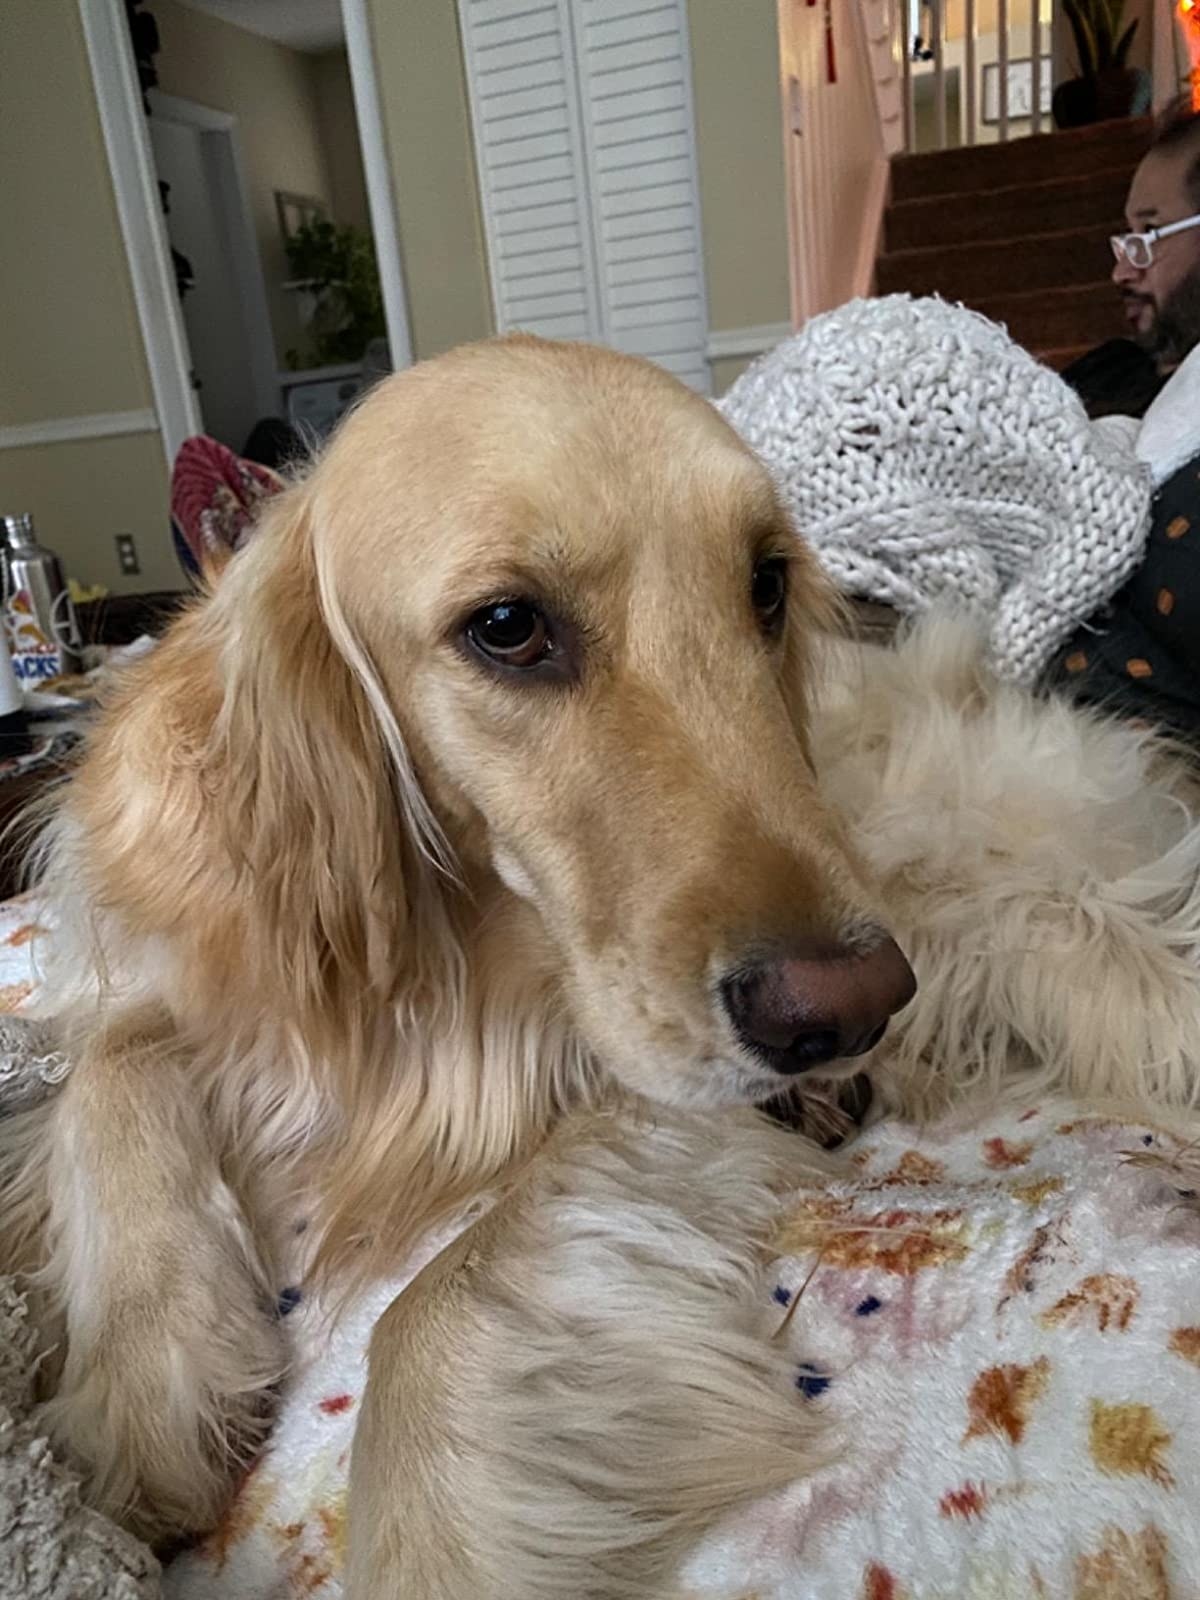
(1002, 1324)
(1000, 1320)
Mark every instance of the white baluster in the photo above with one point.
(971, 69)
(1002, 28)
(939, 69)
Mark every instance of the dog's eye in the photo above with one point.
(768, 591)
(511, 632)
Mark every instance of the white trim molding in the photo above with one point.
(68, 430)
(730, 344)
(127, 140)
(364, 82)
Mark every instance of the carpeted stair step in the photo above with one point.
(973, 271)
(1063, 204)
(1041, 158)
(1058, 319)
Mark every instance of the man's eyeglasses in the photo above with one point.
(1138, 248)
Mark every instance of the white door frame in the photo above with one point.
(143, 226)
(381, 201)
(221, 156)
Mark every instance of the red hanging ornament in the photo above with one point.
(830, 53)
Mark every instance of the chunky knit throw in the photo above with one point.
(928, 458)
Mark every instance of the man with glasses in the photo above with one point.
(1157, 269)
(1157, 274)
(1141, 654)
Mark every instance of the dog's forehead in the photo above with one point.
(566, 459)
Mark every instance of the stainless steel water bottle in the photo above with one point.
(43, 633)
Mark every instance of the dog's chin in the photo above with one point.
(727, 1084)
(712, 1085)
(828, 1110)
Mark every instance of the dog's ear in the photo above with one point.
(334, 851)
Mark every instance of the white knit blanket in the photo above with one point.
(926, 458)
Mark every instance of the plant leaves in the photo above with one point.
(1121, 53)
(1085, 43)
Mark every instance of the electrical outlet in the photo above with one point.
(127, 554)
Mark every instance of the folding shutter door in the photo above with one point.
(636, 94)
(584, 139)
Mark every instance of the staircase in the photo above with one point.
(1018, 231)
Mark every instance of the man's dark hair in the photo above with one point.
(1179, 128)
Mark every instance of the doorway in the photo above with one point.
(214, 153)
(217, 267)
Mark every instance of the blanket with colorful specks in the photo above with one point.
(1001, 1324)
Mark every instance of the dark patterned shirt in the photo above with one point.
(1140, 655)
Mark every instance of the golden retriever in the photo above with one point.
(466, 839)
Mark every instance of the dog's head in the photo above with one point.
(528, 652)
(576, 593)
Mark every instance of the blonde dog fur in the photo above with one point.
(1042, 863)
(349, 918)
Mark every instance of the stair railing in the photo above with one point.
(966, 84)
(983, 71)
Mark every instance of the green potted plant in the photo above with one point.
(334, 269)
(1107, 85)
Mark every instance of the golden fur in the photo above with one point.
(349, 923)
(355, 929)
(565, 1400)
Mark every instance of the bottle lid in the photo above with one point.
(17, 530)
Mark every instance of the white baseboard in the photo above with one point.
(727, 344)
(65, 430)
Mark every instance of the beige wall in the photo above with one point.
(735, 65)
(739, 152)
(69, 341)
(271, 91)
(423, 93)
(726, 370)
(69, 338)
(84, 493)
(338, 127)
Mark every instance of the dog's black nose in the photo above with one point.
(819, 1004)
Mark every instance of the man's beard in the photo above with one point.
(1174, 330)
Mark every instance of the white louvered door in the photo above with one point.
(584, 138)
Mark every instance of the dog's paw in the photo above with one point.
(161, 1412)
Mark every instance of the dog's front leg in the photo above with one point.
(171, 1344)
(569, 1397)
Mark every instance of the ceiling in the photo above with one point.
(310, 25)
